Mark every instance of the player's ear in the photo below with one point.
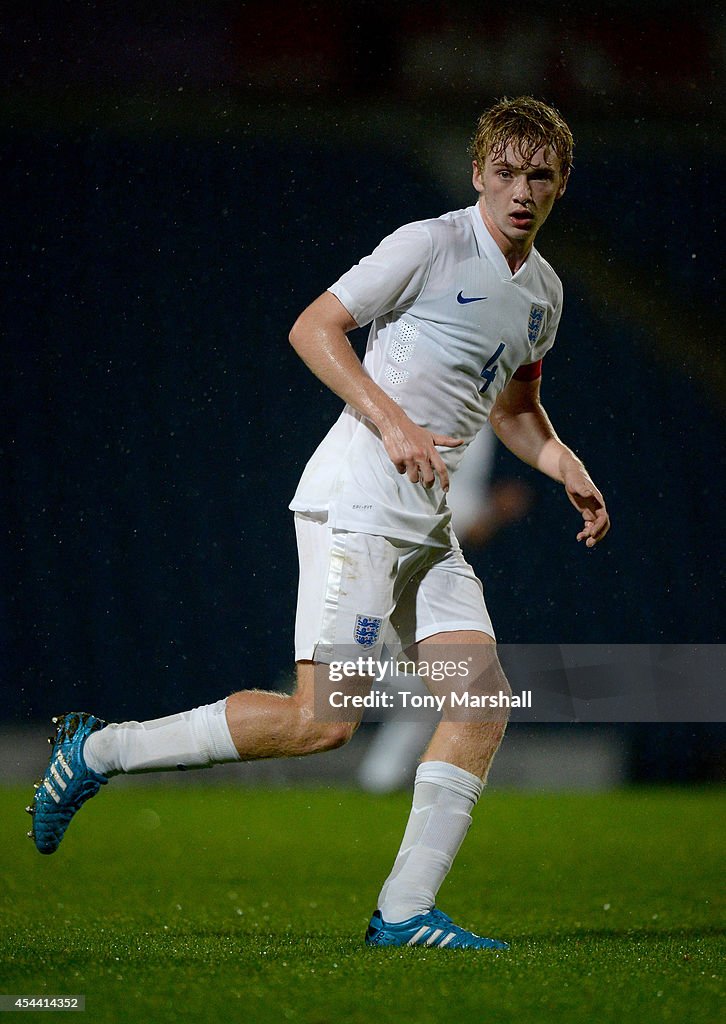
(476, 177)
(563, 184)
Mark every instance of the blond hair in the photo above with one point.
(526, 123)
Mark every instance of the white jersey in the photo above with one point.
(468, 496)
(450, 326)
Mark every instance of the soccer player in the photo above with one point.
(462, 309)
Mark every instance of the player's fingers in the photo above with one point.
(595, 539)
(427, 473)
(595, 530)
(440, 467)
(446, 441)
(600, 525)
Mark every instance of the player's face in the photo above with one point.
(516, 198)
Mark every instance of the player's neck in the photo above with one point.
(514, 253)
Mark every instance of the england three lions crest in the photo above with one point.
(367, 629)
(536, 319)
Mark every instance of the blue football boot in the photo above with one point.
(68, 781)
(434, 929)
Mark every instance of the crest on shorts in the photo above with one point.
(366, 630)
(536, 319)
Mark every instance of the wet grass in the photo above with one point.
(215, 903)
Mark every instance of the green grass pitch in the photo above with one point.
(216, 904)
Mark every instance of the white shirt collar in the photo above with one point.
(494, 253)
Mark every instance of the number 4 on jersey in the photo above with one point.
(490, 369)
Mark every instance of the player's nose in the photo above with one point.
(522, 190)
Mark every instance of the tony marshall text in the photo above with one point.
(381, 699)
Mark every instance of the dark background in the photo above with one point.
(180, 181)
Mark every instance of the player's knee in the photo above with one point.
(315, 736)
(502, 701)
(505, 689)
(485, 700)
(486, 682)
(337, 734)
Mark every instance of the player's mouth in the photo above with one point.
(522, 219)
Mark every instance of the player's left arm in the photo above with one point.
(520, 422)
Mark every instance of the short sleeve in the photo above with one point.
(392, 277)
(547, 338)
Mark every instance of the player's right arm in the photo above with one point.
(319, 336)
(521, 423)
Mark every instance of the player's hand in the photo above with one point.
(412, 450)
(588, 500)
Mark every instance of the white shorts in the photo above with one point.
(358, 591)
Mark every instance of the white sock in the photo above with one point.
(443, 798)
(192, 739)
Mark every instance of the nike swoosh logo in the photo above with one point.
(477, 298)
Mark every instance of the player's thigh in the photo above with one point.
(345, 593)
(444, 596)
